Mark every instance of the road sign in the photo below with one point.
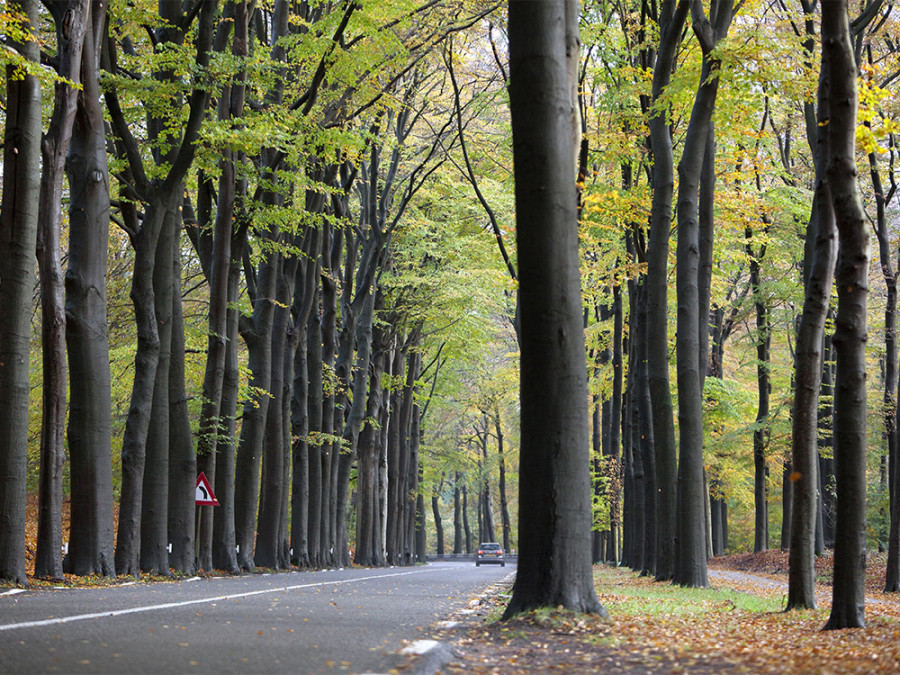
(204, 495)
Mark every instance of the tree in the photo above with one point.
(70, 20)
(840, 72)
(555, 508)
(821, 247)
(18, 235)
(691, 554)
(89, 430)
(671, 20)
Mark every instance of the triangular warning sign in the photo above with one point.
(203, 496)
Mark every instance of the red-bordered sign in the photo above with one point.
(204, 495)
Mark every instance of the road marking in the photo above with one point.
(419, 647)
(200, 601)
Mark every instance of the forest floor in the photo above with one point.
(737, 626)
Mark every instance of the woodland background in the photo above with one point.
(329, 187)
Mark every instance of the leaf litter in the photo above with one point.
(736, 627)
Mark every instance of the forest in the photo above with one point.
(274, 241)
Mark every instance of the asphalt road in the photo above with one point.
(352, 620)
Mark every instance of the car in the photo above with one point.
(489, 553)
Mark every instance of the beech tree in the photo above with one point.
(554, 510)
(821, 252)
(70, 20)
(671, 21)
(690, 560)
(90, 424)
(18, 236)
(851, 278)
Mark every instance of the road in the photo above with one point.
(351, 620)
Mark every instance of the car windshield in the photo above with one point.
(490, 547)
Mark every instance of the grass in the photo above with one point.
(633, 597)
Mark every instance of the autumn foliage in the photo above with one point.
(737, 627)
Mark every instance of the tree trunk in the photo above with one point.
(89, 430)
(760, 433)
(892, 573)
(154, 555)
(257, 335)
(18, 237)
(555, 505)
(691, 549)
(671, 21)
(501, 485)
(224, 543)
(71, 25)
(182, 460)
(851, 276)
(648, 457)
(612, 454)
(368, 530)
(465, 511)
(458, 541)
(314, 367)
(271, 497)
(439, 524)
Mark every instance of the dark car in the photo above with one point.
(489, 553)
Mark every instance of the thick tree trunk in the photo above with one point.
(555, 505)
(691, 549)
(182, 460)
(851, 279)
(89, 430)
(368, 528)
(648, 457)
(155, 490)
(224, 543)
(672, 18)
(305, 297)
(71, 25)
(257, 335)
(18, 236)
(269, 521)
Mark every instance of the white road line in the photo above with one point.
(14, 591)
(185, 603)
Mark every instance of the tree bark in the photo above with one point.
(851, 278)
(671, 21)
(89, 430)
(182, 460)
(691, 553)
(18, 237)
(555, 505)
(70, 20)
